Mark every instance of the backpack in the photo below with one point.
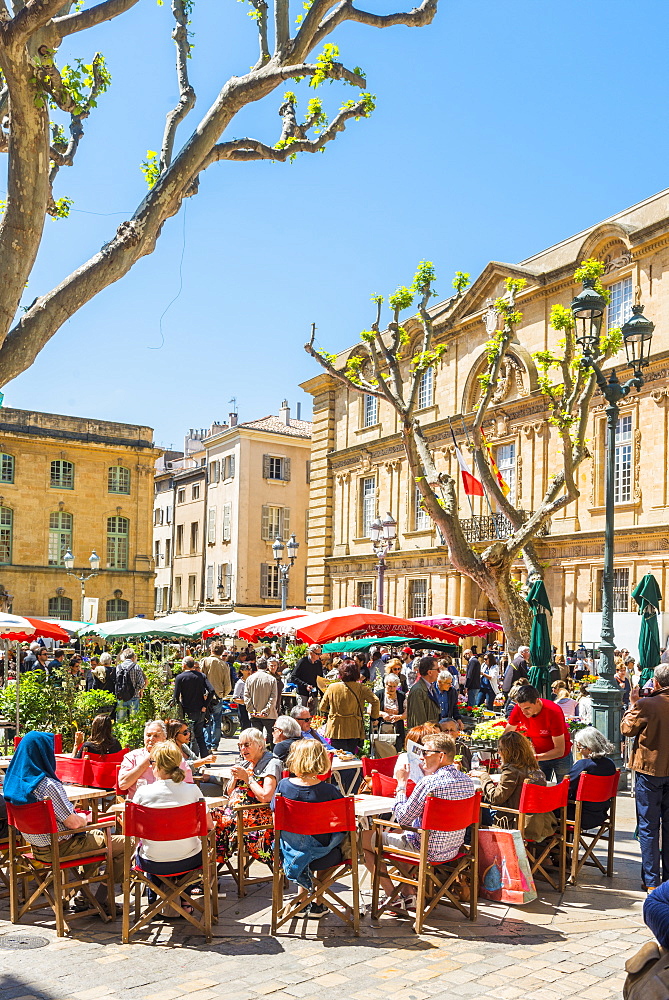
(124, 689)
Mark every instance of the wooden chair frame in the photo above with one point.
(239, 869)
(322, 892)
(170, 891)
(435, 882)
(537, 857)
(51, 878)
(580, 839)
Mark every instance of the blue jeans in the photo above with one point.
(652, 812)
(212, 731)
(486, 696)
(125, 709)
(656, 914)
(472, 694)
(560, 767)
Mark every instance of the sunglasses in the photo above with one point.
(423, 751)
(185, 732)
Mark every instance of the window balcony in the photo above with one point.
(495, 526)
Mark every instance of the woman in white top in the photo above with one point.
(169, 857)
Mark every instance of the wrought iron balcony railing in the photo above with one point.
(492, 526)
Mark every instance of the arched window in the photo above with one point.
(60, 607)
(426, 389)
(60, 536)
(117, 610)
(6, 468)
(118, 529)
(62, 475)
(6, 529)
(118, 479)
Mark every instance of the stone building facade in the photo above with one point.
(359, 469)
(226, 502)
(71, 482)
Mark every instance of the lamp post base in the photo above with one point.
(607, 706)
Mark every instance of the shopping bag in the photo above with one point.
(504, 871)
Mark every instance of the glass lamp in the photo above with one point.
(68, 559)
(637, 335)
(588, 311)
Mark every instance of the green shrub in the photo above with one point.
(88, 704)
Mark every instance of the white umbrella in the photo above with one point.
(228, 625)
(10, 624)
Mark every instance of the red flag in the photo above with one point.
(472, 486)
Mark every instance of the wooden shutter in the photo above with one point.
(169, 515)
(211, 526)
(265, 466)
(210, 583)
(286, 470)
(227, 517)
(285, 523)
(264, 532)
(264, 579)
(308, 471)
(232, 467)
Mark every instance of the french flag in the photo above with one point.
(472, 486)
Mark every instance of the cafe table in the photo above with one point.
(80, 793)
(352, 764)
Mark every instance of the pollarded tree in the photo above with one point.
(381, 367)
(42, 101)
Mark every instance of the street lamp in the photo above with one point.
(94, 560)
(284, 568)
(588, 311)
(382, 534)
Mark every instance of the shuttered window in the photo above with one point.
(275, 523)
(227, 522)
(229, 467)
(211, 526)
(269, 580)
(225, 581)
(274, 467)
(209, 593)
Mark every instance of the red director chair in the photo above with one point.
(435, 881)
(592, 788)
(382, 765)
(53, 885)
(337, 816)
(544, 799)
(169, 824)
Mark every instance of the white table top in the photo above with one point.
(343, 765)
(76, 793)
(372, 805)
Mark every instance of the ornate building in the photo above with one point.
(79, 484)
(359, 470)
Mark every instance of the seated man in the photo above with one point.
(303, 718)
(452, 728)
(445, 781)
(286, 732)
(136, 770)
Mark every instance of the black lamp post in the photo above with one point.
(382, 534)
(284, 568)
(588, 311)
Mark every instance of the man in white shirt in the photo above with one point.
(260, 698)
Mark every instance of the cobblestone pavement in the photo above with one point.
(573, 945)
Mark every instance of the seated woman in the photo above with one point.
(253, 781)
(286, 732)
(448, 696)
(518, 764)
(168, 790)
(393, 703)
(594, 749)
(101, 741)
(31, 777)
(209, 783)
(305, 853)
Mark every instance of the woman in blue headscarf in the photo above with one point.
(31, 777)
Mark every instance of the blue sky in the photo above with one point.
(500, 129)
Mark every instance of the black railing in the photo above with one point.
(491, 526)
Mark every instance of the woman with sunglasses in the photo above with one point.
(210, 784)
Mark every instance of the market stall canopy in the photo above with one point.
(648, 596)
(228, 625)
(49, 630)
(194, 625)
(128, 628)
(356, 645)
(460, 627)
(71, 627)
(362, 621)
(176, 618)
(259, 626)
(15, 627)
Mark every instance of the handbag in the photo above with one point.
(651, 981)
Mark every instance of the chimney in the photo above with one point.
(284, 413)
(298, 413)
(233, 419)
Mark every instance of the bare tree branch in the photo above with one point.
(281, 25)
(186, 93)
(33, 16)
(345, 11)
(83, 19)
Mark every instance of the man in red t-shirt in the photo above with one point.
(546, 728)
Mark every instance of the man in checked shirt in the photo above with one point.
(443, 779)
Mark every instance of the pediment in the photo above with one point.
(490, 285)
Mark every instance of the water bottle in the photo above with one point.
(476, 760)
